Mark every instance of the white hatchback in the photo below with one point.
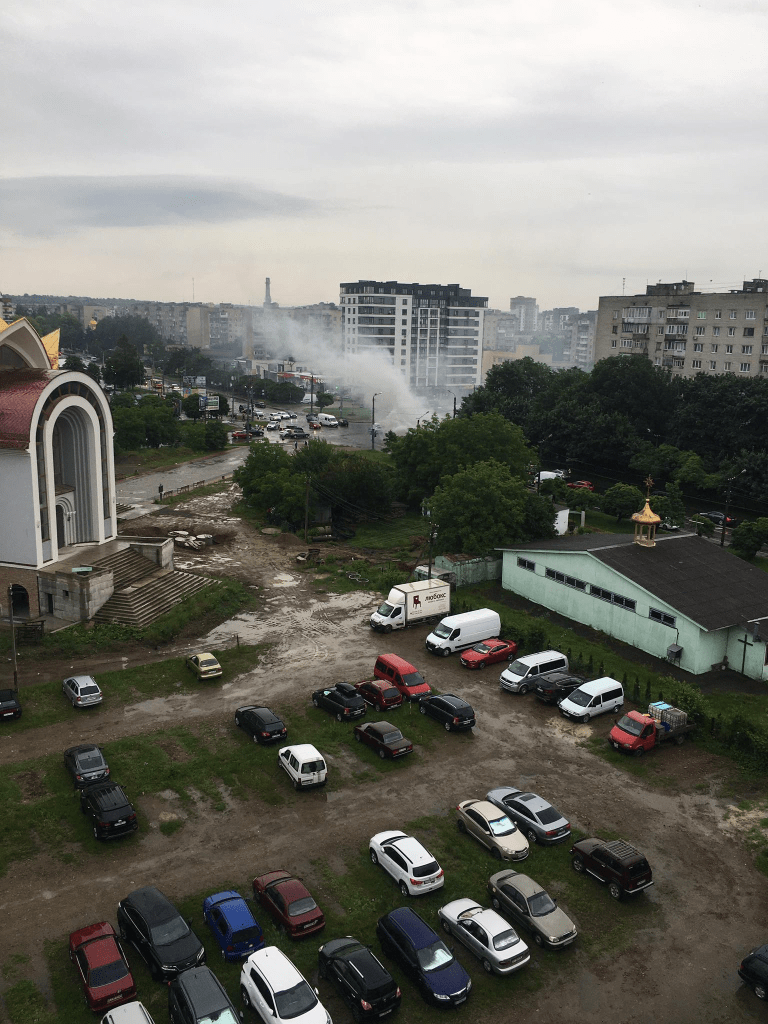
(128, 1013)
(404, 858)
(277, 991)
(304, 765)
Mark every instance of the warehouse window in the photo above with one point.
(657, 616)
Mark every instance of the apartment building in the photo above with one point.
(433, 333)
(686, 331)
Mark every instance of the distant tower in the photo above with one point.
(267, 297)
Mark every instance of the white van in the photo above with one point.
(327, 420)
(595, 698)
(456, 632)
(128, 1013)
(304, 765)
(522, 675)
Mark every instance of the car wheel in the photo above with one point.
(339, 717)
(523, 690)
(245, 997)
(461, 826)
(322, 970)
(614, 890)
(404, 889)
(255, 738)
(315, 702)
(760, 991)
(585, 719)
(446, 652)
(538, 939)
(96, 833)
(374, 858)
(382, 754)
(447, 726)
(495, 903)
(487, 966)
(237, 721)
(577, 864)
(296, 784)
(481, 665)
(496, 853)
(358, 737)
(155, 974)
(446, 926)
(422, 709)
(387, 629)
(639, 752)
(357, 1013)
(531, 836)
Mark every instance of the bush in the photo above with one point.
(685, 696)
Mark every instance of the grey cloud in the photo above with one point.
(50, 205)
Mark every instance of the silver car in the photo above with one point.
(534, 816)
(82, 691)
(492, 829)
(527, 904)
(486, 934)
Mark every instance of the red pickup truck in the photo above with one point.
(634, 733)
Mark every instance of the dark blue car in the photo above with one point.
(234, 927)
(405, 937)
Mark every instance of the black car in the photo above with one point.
(718, 518)
(159, 933)
(9, 704)
(342, 700)
(197, 997)
(407, 938)
(365, 985)
(553, 686)
(261, 724)
(754, 970)
(342, 421)
(86, 764)
(452, 711)
(109, 809)
(260, 405)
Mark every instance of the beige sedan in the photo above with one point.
(492, 828)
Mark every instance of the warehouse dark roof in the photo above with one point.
(700, 579)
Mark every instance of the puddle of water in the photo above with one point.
(165, 707)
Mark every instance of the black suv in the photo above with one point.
(261, 724)
(109, 809)
(452, 711)
(341, 700)
(197, 996)
(553, 686)
(365, 985)
(86, 764)
(620, 865)
(159, 933)
(754, 970)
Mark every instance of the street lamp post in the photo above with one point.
(727, 503)
(373, 419)
(418, 421)
(454, 400)
(13, 639)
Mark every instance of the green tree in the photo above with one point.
(484, 507)
(122, 400)
(622, 501)
(124, 369)
(130, 432)
(748, 538)
(324, 399)
(74, 363)
(187, 362)
(191, 407)
(109, 332)
(94, 371)
(704, 527)
(215, 435)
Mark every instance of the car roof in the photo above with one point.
(81, 748)
(128, 1013)
(276, 967)
(111, 796)
(302, 750)
(523, 883)
(451, 698)
(487, 809)
(418, 931)
(528, 658)
(397, 662)
(595, 686)
(533, 801)
(204, 990)
(412, 850)
(83, 680)
(487, 918)
(234, 908)
(152, 904)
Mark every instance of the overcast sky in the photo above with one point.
(538, 148)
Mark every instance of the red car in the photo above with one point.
(379, 694)
(289, 902)
(582, 485)
(101, 964)
(488, 653)
(314, 426)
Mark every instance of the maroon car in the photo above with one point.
(384, 738)
(489, 652)
(102, 967)
(289, 902)
(379, 694)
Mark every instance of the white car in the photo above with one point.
(82, 691)
(282, 415)
(128, 1013)
(485, 933)
(303, 764)
(277, 991)
(273, 425)
(404, 858)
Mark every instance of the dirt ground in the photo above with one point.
(714, 902)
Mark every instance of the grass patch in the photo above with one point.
(149, 460)
(392, 535)
(26, 1004)
(198, 492)
(599, 522)
(168, 828)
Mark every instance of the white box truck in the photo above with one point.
(409, 603)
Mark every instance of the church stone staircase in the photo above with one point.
(143, 591)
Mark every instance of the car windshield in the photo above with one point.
(505, 939)
(386, 609)
(88, 691)
(422, 870)
(302, 906)
(224, 1016)
(390, 692)
(107, 974)
(627, 724)
(169, 931)
(541, 904)
(502, 826)
(442, 631)
(7, 702)
(580, 698)
(292, 1002)
(90, 760)
(481, 648)
(392, 737)
(312, 766)
(518, 668)
(432, 958)
(413, 679)
(547, 815)
(251, 934)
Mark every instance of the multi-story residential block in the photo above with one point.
(686, 331)
(527, 312)
(432, 333)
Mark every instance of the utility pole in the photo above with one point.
(13, 640)
(727, 504)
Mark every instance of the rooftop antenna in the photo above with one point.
(623, 284)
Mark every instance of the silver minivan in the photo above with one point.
(523, 674)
